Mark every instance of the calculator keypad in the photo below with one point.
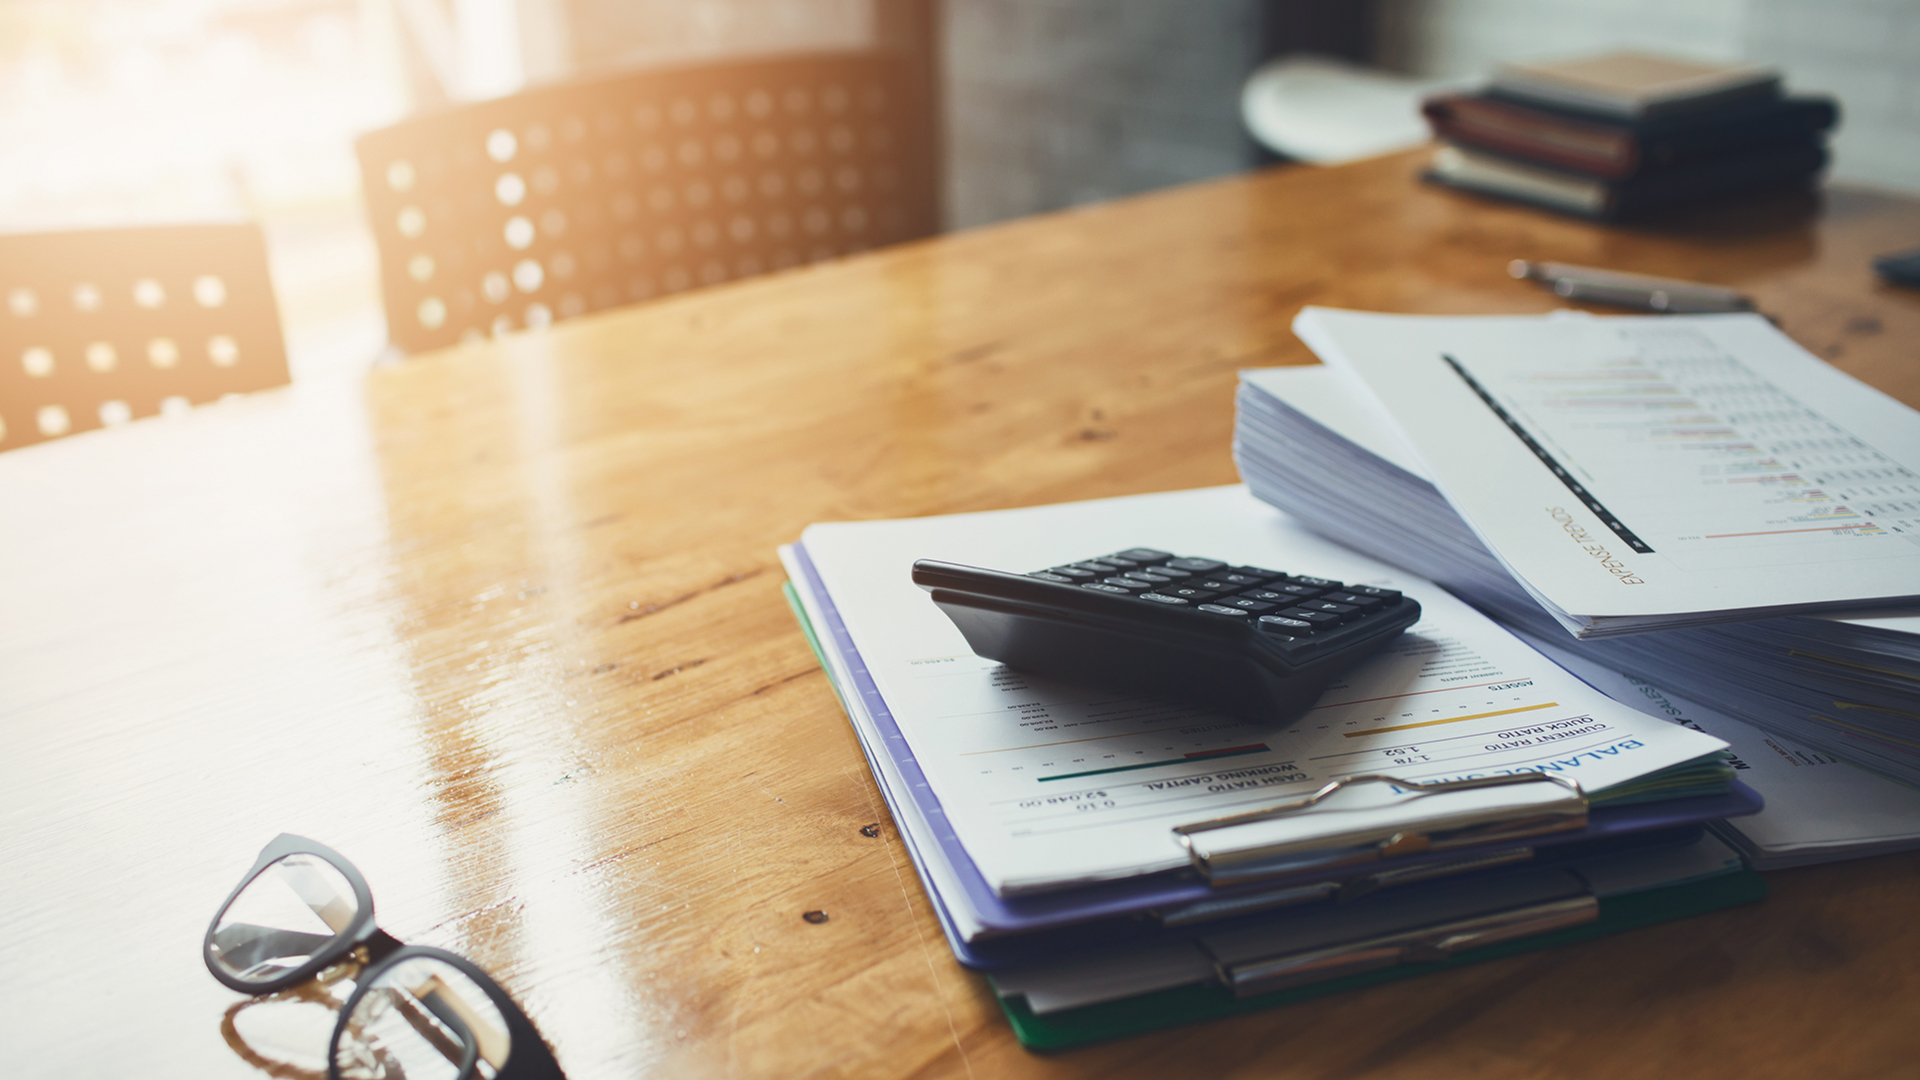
(1286, 606)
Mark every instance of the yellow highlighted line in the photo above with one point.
(1876, 708)
(1448, 720)
(1779, 532)
(1863, 732)
(1901, 675)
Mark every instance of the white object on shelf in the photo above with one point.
(1325, 111)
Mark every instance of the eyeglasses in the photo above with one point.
(415, 1011)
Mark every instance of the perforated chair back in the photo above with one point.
(105, 325)
(574, 198)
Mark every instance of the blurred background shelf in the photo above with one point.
(118, 113)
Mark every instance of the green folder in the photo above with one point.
(1189, 1004)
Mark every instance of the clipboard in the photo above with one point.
(1424, 822)
(922, 821)
(1191, 1004)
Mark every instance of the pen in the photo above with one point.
(1629, 290)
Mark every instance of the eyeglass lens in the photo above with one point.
(422, 1019)
(285, 915)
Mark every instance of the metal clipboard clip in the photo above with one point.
(1430, 943)
(1381, 833)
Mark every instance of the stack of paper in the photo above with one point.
(1670, 435)
(1647, 473)
(1040, 815)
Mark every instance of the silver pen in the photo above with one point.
(1630, 290)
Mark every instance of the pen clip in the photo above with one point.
(1401, 836)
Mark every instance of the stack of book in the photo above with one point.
(1623, 135)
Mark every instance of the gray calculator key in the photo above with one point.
(1198, 566)
(1329, 607)
(1216, 609)
(1353, 600)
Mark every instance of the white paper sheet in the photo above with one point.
(1818, 809)
(1050, 785)
(1645, 471)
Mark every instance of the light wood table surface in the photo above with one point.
(504, 625)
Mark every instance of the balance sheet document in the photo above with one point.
(1049, 784)
(1636, 472)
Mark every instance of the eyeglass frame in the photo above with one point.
(375, 951)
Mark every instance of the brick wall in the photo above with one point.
(1052, 103)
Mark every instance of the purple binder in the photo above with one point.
(1071, 908)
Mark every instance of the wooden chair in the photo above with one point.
(583, 196)
(102, 326)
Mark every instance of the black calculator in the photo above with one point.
(1254, 642)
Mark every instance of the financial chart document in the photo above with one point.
(1818, 808)
(1650, 466)
(1050, 784)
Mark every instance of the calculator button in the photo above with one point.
(1127, 583)
(1190, 592)
(1258, 572)
(1330, 607)
(1295, 590)
(1316, 582)
(1316, 618)
(1071, 572)
(1168, 571)
(1045, 575)
(1242, 580)
(1097, 566)
(1147, 576)
(1099, 587)
(1258, 607)
(1122, 563)
(1216, 609)
(1159, 599)
(1214, 584)
(1363, 602)
(1368, 590)
(1281, 624)
(1198, 566)
(1270, 596)
(1143, 555)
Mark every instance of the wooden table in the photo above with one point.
(504, 625)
